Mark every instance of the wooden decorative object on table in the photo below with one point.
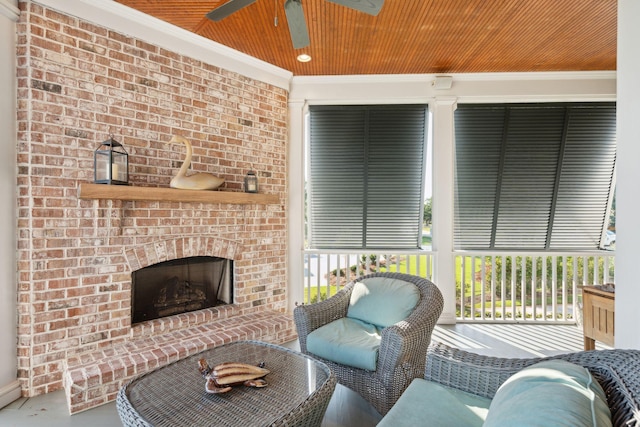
(222, 377)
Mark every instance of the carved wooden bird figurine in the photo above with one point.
(196, 181)
(222, 377)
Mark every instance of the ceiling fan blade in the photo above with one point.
(297, 24)
(371, 7)
(228, 8)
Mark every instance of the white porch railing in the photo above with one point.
(327, 271)
(527, 287)
(536, 287)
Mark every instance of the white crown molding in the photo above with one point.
(544, 75)
(473, 87)
(363, 78)
(414, 78)
(9, 8)
(120, 18)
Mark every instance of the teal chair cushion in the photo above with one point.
(348, 342)
(550, 393)
(425, 403)
(382, 301)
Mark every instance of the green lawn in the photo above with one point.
(400, 267)
(412, 265)
(426, 237)
(312, 296)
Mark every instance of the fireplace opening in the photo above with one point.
(179, 286)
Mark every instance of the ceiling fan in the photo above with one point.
(295, 15)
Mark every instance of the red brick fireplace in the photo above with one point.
(78, 83)
(94, 377)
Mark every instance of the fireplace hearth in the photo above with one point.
(179, 286)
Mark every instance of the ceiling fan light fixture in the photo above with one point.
(296, 20)
(303, 57)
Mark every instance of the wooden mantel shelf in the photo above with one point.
(124, 192)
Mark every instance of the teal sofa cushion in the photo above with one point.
(347, 341)
(550, 393)
(426, 403)
(382, 301)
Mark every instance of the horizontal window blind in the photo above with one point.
(533, 177)
(366, 176)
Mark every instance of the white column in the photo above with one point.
(443, 188)
(295, 209)
(9, 386)
(627, 317)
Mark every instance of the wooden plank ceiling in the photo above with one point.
(413, 36)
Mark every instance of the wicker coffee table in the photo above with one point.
(298, 392)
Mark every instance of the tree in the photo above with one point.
(426, 216)
(612, 214)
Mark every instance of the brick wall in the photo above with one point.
(77, 84)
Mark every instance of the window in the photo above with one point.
(366, 176)
(533, 177)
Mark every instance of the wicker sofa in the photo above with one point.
(403, 346)
(617, 372)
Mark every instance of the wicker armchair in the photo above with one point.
(617, 371)
(402, 352)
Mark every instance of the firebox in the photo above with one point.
(179, 286)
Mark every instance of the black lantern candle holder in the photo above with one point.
(111, 163)
(251, 182)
